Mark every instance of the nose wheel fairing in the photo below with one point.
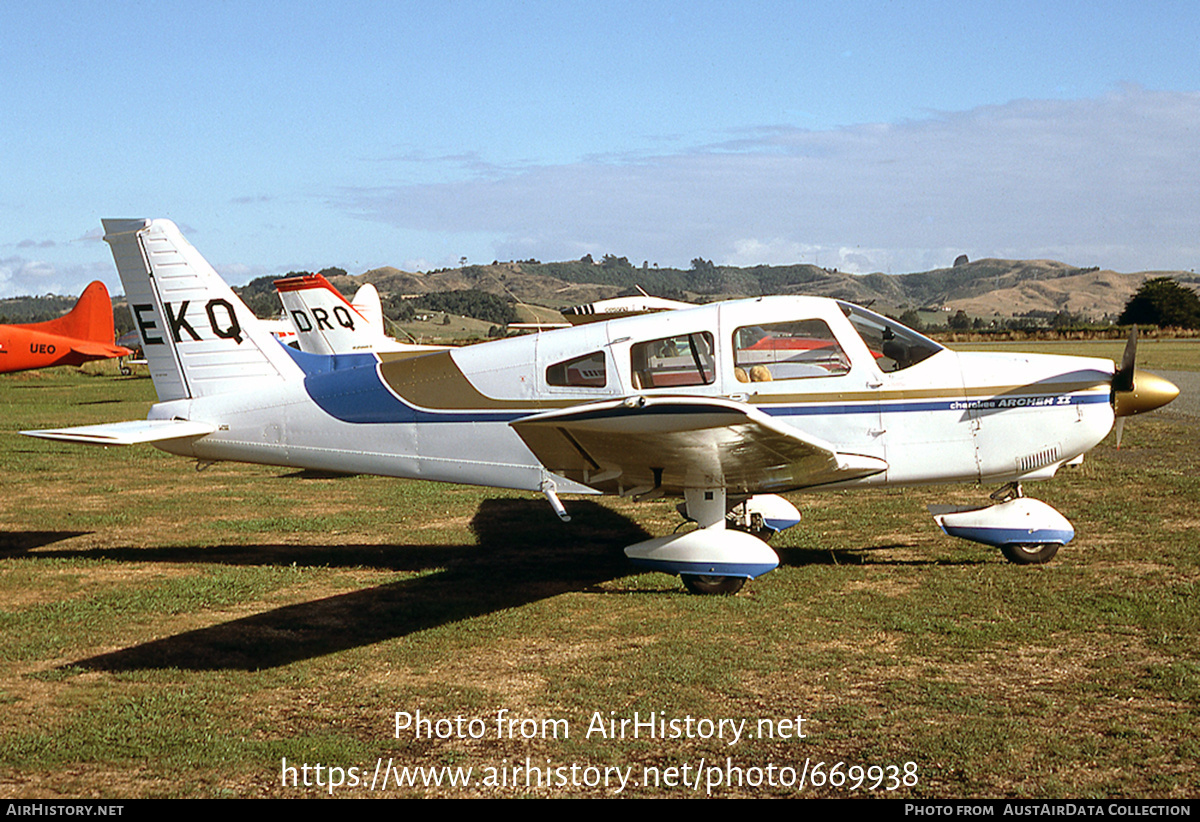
(1021, 521)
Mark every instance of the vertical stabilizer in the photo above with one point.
(198, 337)
(366, 302)
(91, 319)
(325, 322)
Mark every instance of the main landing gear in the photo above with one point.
(720, 555)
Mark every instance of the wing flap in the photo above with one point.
(133, 432)
(674, 443)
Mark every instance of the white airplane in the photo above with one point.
(725, 405)
(609, 309)
(327, 323)
(620, 307)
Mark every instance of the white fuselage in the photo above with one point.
(445, 416)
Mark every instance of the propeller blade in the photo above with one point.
(1123, 377)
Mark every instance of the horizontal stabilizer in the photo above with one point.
(99, 350)
(133, 432)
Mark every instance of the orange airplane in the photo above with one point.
(84, 333)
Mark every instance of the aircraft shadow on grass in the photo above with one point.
(524, 555)
(799, 557)
(14, 543)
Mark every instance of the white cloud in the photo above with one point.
(22, 277)
(1112, 181)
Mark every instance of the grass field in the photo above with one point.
(169, 632)
(1152, 354)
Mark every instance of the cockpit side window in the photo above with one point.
(671, 362)
(588, 371)
(787, 351)
(894, 346)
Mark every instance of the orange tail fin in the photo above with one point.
(91, 318)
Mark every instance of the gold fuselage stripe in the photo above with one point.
(434, 381)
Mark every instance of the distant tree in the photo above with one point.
(705, 277)
(960, 321)
(259, 295)
(912, 319)
(398, 309)
(468, 303)
(1065, 319)
(1163, 302)
(35, 309)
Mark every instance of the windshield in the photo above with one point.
(894, 346)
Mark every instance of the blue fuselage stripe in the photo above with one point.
(349, 388)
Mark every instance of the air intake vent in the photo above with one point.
(1042, 458)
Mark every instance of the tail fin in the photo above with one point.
(91, 319)
(325, 322)
(199, 338)
(366, 302)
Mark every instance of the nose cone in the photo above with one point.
(1149, 391)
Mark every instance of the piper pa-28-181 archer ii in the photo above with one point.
(725, 405)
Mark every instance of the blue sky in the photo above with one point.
(864, 136)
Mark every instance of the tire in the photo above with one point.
(712, 586)
(1033, 553)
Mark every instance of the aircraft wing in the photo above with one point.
(640, 444)
(126, 433)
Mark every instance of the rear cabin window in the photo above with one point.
(674, 361)
(787, 351)
(587, 371)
